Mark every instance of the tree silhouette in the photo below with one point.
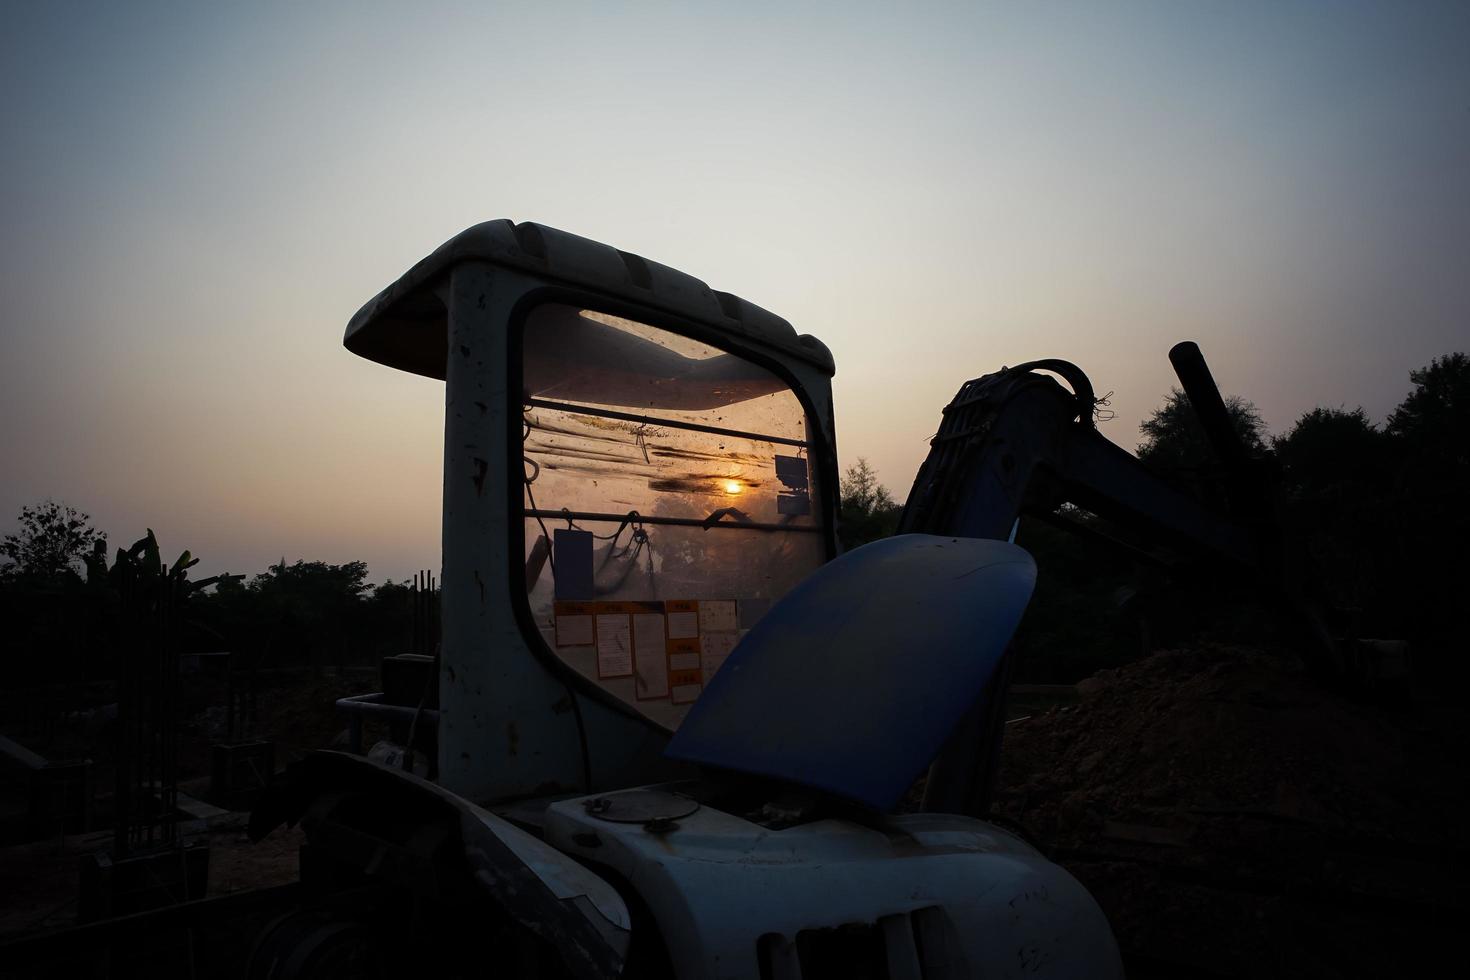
(53, 542)
(1434, 419)
(1432, 430)
(1174, 439)
(1328, 447)
(868, 511)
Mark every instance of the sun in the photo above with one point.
(732, 487)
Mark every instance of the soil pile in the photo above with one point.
(1235, 818)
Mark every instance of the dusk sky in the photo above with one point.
(197, 196)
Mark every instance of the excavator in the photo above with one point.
(669, 729)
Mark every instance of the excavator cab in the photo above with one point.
(636, 468)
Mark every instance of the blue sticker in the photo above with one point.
(572, 557)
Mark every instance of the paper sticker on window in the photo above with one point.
(574, 624)
(614, 645)
(683, 618)
(650, 657)
(683, 661)
(686, 680)
(715, 647)
(683, 625)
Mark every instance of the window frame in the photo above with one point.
(819, 448)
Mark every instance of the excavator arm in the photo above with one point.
(1017, 443)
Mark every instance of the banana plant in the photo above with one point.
(144, 563)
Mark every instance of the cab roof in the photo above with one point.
(404, 325)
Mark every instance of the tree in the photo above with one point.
(1434, 420)
(311, 601)
(305, 612)
(1174, 439)
(1432, 431)
(53, 542)
(314, 582)
(1340, 516)
(868, 511)
(1329, 447)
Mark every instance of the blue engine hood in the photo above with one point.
(854, 680)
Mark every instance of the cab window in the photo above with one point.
(669, 499)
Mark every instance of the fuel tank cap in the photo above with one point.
(639, 806)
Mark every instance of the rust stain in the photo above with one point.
(480, 585)
(670, 452)
(563, 430)
(479, 478)
(593, 454)
(594, 469)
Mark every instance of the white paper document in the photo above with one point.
(683, 625)
(650, 657)
(717, 616)
(614, 645)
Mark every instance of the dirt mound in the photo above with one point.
(1233, 817)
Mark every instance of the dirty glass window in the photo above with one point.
(669, 498)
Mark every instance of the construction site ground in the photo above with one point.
(1233, 817)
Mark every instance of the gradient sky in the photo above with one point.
(197, 196)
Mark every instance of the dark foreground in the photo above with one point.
(1231, 816)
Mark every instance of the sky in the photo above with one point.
(197, 196)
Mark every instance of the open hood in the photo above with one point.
(855, 679)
